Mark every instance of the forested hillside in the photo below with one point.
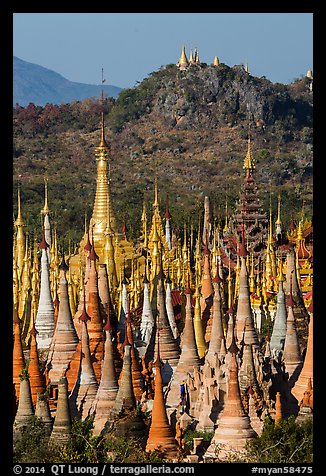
(190, 127)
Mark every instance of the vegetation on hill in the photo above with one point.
(188, 127)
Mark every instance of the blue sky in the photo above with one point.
(129, 46)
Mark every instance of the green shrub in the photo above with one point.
(122, 449)
(190, 434)
(31, 445)
(284, 442)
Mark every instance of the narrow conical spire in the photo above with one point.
(18, 361)
(231, 332)
(86, 385)
(45, 313)
(191, 57)
(36, 380)
(291, 276)
(278, 221)
(279, 325)
(291, 354)
(102, 203)
(197, 61)
(217, 332)
(207, 225)
(124, 306)
(20, 238)
(244, 317)
(249, 163)
(207, 292)
(206, 285)
(19, 220)
(103, 287)
(169, 307)
(198, 325)
(136, 375)
(278, 408)
(189, 355)
(160, 433)
(46, 210)
(46, 221)
(108, 387)
(103, 144)
(125, 398)
(306, 373)
(168, 231)
(95, 326)
(147, 318)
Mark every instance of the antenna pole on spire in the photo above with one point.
(102, 97)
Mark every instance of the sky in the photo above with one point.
(130, 46)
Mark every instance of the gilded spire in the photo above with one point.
(280, 275)
(103, 144)
(183, 61)
(102, 211)
(20, 239)
(191, 57)
(197, 61)
(278, 221)
(19, 220)
(155, 203)
(309, 74)
(249, 163)
(226, 225)
(160, 432)
(45, 210)
(216, 61)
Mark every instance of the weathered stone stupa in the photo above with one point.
(125, 398)
(36, 377)
(18, 356)
(234, 429)
(65, 339)
(86, 386)
(160, 435)
(292, 354)
(188, 357)
(45, 313)
(42, 411)
(279, 326)
(306, 373)
(25, 408)
(108, 387)
(61, 431)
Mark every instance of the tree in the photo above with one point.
(284, 442)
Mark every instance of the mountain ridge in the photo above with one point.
(190, 128)
(36, 84)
